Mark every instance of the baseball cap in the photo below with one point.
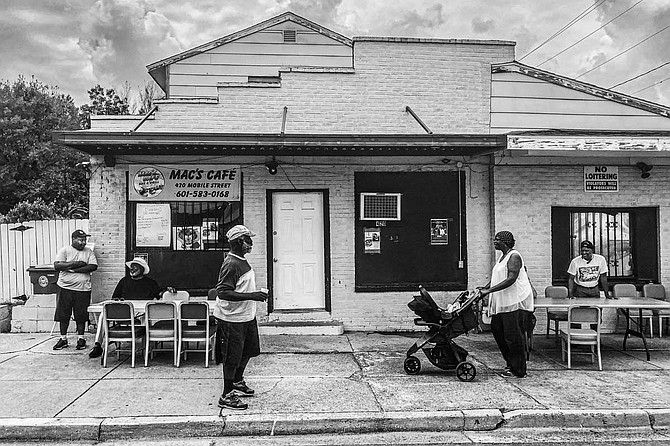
(140, 261)
(79, 233)
(238, 231)
(587, 244)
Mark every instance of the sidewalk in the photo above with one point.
(326, 384)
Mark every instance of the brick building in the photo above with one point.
(371, 165)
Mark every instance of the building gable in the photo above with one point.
(525, 98)
(252, 56)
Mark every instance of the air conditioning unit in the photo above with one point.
(380, 206)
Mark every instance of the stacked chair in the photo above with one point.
(556, 315)
(657, 291)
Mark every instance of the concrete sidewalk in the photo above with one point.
(326, 384)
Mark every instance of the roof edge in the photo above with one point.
(432, 40)
(584, 87)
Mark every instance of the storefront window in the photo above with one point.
(626, 237)
(189, 254)
(610, 233)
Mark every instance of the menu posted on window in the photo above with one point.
(152, 225)
(202, 182)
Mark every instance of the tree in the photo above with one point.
(31, 166)
(103, 102)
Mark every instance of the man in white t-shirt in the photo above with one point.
(235, 312)
(75, 264)
(586, 272)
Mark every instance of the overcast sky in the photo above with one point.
(76, 44)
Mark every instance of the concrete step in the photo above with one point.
(330, 328)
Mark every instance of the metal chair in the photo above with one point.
(195, 326)
(657, 291)
(160, 322)
(628, 290)
(556, 315)
(586, 317)
(120, 326)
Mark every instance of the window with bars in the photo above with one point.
(611, 235)
(192, 260)
(380, 206)
(626, 237)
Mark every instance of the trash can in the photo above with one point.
(43, 278)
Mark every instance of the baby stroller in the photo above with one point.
(444, 325)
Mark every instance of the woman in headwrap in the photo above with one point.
(509, 295)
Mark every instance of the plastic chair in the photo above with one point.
(160, 322)
(556, 315)
(177, 296)
(628, 290)
(657, 291)
(583, 316)
(195, 326)
(120, 326)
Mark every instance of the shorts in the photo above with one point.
(70, 301)
(235, 340)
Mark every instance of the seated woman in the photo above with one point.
(136, 286)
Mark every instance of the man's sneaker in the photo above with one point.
(61, 344)
(96, 352)
(231, 401)
(240, 388)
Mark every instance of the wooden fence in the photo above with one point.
(30, 243)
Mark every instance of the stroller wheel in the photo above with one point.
(466, 371)
(412, 365)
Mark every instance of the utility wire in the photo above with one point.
(623, 52)
(589, 35)
(649, 86)
(579, 16)
(639, 75)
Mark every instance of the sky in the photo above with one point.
(77, 44)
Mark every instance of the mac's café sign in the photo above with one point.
(184, 183)
(601, 179)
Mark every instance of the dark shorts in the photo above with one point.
(235, 340)
(68, 302)
(582, 291)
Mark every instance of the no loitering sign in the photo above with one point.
(601, 179)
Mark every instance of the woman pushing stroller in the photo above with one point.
(509, 296)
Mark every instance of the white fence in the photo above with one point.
(36, 245)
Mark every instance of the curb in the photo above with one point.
(105, 429)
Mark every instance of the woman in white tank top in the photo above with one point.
(509, 295)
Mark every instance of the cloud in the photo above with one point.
(482, 26)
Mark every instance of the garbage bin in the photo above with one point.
(43, 278)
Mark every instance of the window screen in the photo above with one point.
(380, 206)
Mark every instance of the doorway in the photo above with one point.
(298, 251)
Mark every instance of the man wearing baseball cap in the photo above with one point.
(586, 272)
(75, 264)
(235, 312)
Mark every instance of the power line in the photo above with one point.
(639, 75)
(589, 35)
(579, 16)
(649, 86)
(623, 52)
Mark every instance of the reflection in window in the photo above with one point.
(611, 235)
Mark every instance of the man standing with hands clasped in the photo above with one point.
(235, 312)
(586, 271)
(75, 264)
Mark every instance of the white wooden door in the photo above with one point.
(298, 251)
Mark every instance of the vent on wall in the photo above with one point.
(380, 206)
(289, 36)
